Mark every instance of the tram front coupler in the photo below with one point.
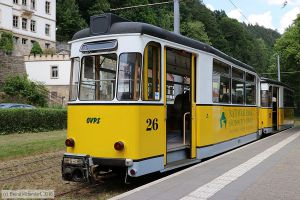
(77, 168)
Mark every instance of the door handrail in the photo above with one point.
(184, 116)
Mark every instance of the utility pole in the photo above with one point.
(278, 66)
(176, 17)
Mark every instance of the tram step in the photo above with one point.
(178, 154)
(180, 163)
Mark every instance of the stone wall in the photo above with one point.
(62, 93)
(11, 65)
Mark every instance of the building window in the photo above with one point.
(47, 7)
(24, 41)
(15, 21)
(32, 4)
(54, 71)
(15, 39)
(32, 25)
(32, 42)
(24, 23)
(16, 1)
(47, 29)
(53, 95)
(24, 2)
(47, 45)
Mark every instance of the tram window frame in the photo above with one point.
(216, 86)
(145, 92)
(266, 95)
(74, 87)
(238, 80)
(288, 98)
(108, 70)
(120, 98)
(252, 83)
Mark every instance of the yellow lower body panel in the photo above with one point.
(216, 124)
(96, 128)
(286, 116)
(265, 118)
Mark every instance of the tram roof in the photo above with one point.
(275, 82)
(108, 24)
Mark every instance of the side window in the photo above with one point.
(288, 98)
(238, 89)
(151, 72)
(129, 76)
(221, 82)
(250, 89)
(74, 78)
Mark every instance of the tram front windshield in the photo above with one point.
(98, 77)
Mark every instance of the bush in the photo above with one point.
(36, 49)
(20, 89)
(32, 120)
(6, 42)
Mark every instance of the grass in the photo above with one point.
(27, 144)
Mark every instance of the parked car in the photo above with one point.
(16, 105)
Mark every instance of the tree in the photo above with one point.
(288, 47)
(20, 89)
(36, 49)
(196, 31)
(6, 42)
(98, 7)
(69, 19)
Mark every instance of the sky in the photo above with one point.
(268, 13)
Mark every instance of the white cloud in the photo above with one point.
(264, 19)
(235, 14)
(288, 18)
(281, 2)
(275, 2)
(210, 7)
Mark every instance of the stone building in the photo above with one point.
(53, 72)
(30, 21)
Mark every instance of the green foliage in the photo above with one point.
(196, 31)
(20, 89)
(6, 42)
(288, 47)
(36, 49)
(69, 20)
(32, 120)
(98, 7)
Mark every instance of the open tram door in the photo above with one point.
(180, 106)
(275, 102)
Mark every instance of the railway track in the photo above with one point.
(31, 162)
(27, 173)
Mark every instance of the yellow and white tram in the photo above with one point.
(144, 100)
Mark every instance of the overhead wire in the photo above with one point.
(240, 11)
(142, 5)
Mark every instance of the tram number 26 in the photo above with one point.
(152, 124)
